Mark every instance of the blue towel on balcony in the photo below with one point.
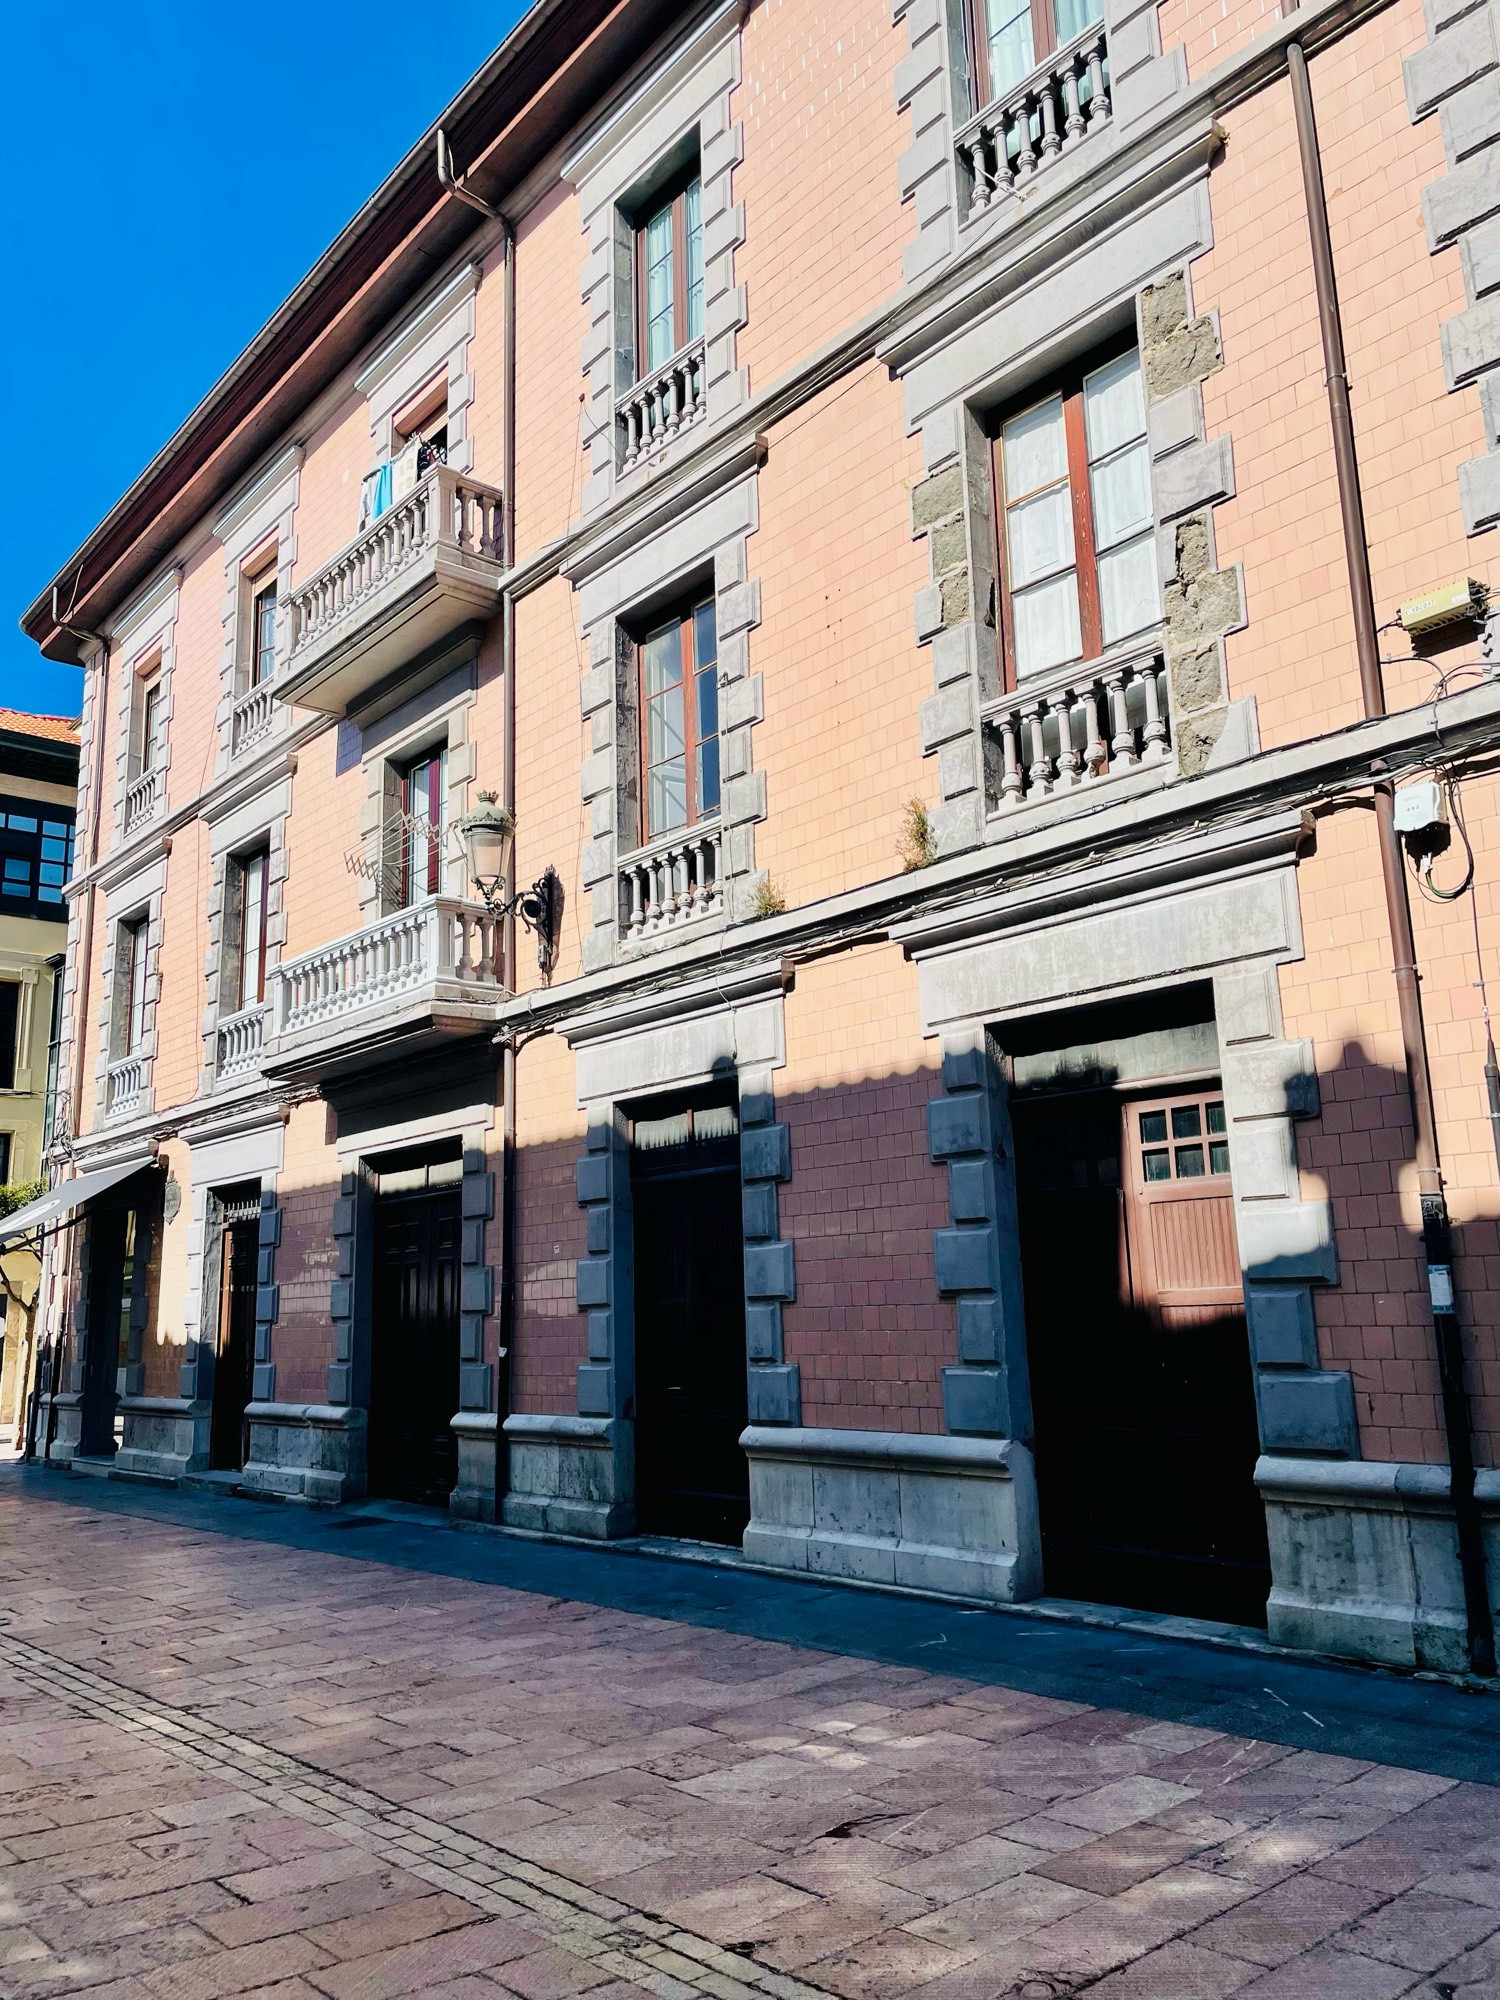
(381, 499)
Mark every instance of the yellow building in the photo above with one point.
(38, 787)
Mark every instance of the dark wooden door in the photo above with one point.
(234, 1364)
(692, 1478)
(414, 1348)
(106, 1329)
(1146, 1435)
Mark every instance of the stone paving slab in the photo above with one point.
(286, 1766)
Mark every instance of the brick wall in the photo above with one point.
(550, 327)
(1297, 655)
(844, 678)
(867, 1330)
(550, 1335)
(551, 818)
(817, 102)
(308, 1186)
(1209, 31)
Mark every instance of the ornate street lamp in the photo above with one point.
(488, 835)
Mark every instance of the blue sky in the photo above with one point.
(170, 172)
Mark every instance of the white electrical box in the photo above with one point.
(1421, 807)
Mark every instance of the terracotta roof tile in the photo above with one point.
(59, 728)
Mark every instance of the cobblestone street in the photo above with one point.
(246, 1750)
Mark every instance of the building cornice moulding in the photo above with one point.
(766, 979)
(259, 490)
(661, 71)
(431, 314)
(1037, 846)
(152, 608)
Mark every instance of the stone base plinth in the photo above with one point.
(165, 1437)
(1364, 1560)
(956, 1515)
(306, 1451)
(473, 1496)
(571, 1475)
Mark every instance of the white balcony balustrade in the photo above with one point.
(434, 969)
(251, 718)
(674, 881)
(430, 565)
(1099, 722)
(239, 1042)
(124, 1086)
(1056, 108)
(661, 405)
(144, 798)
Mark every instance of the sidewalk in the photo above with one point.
(251, 1749)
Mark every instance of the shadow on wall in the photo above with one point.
(1377, 1320)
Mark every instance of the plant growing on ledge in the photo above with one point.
(768, 900)
(916, 847)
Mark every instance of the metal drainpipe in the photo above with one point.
(1437, 1238)
(507, 1332)
(81, 983)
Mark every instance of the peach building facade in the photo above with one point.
(904, 511)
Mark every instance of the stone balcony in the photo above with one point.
(1057, 107)
(429, 566)
(401, 984)
(1078, 727)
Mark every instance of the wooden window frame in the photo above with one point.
(682, 616)
(262, 585)
(977, 32)
(673, 194)
(149, 689)
(245, 864)
(437, 756)
(1067, 383)
(135, 932)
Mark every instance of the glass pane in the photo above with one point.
(1216, 1118)
(1186, 1123)
(705, 637)
(708, 776)
(1073, 16)
(1039, 536)
(1036, 449)
(663, 659)
(1156, 1166)
(1218, 1156)
(708, 705)
(1012, 50)
(1189, 1163)
(668, 797)
(665, 736)
(1047, 629)
(692, 202)
(1121, 489)
(1153, 1126)
(1129, 599)
(20, 824)
(1114, 410)
(659, 329)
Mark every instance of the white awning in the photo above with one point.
(67, 1196)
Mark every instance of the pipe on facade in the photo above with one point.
(82, 975)
(1437, 1240)
(508, 1175)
